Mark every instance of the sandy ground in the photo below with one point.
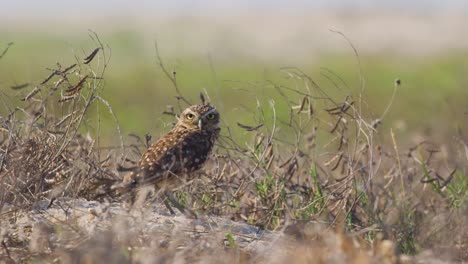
(88, 230)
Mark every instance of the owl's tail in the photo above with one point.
(123, 187)
(113, 189)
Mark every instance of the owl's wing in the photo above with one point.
(160, 162)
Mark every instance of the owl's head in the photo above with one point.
(202, 116)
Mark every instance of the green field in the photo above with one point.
(433, 87)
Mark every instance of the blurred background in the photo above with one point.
(236, 50)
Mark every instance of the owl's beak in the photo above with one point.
(200, 124)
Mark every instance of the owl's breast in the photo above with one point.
(194, 150)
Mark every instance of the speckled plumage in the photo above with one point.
(181, 151)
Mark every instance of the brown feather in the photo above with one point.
(180, 152)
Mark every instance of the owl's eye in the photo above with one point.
(189, 116)
(211, 116)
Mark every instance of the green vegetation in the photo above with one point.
(298, 146)
(136, 87)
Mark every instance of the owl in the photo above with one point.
(180, 152)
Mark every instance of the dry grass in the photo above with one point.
(320, 181)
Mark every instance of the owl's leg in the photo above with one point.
(168, 206)
(187, 212)
(143, 193)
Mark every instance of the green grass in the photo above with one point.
(138, 90)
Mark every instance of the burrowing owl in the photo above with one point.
(181, 151)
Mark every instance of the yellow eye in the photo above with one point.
(211, 116)
(189, 116)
